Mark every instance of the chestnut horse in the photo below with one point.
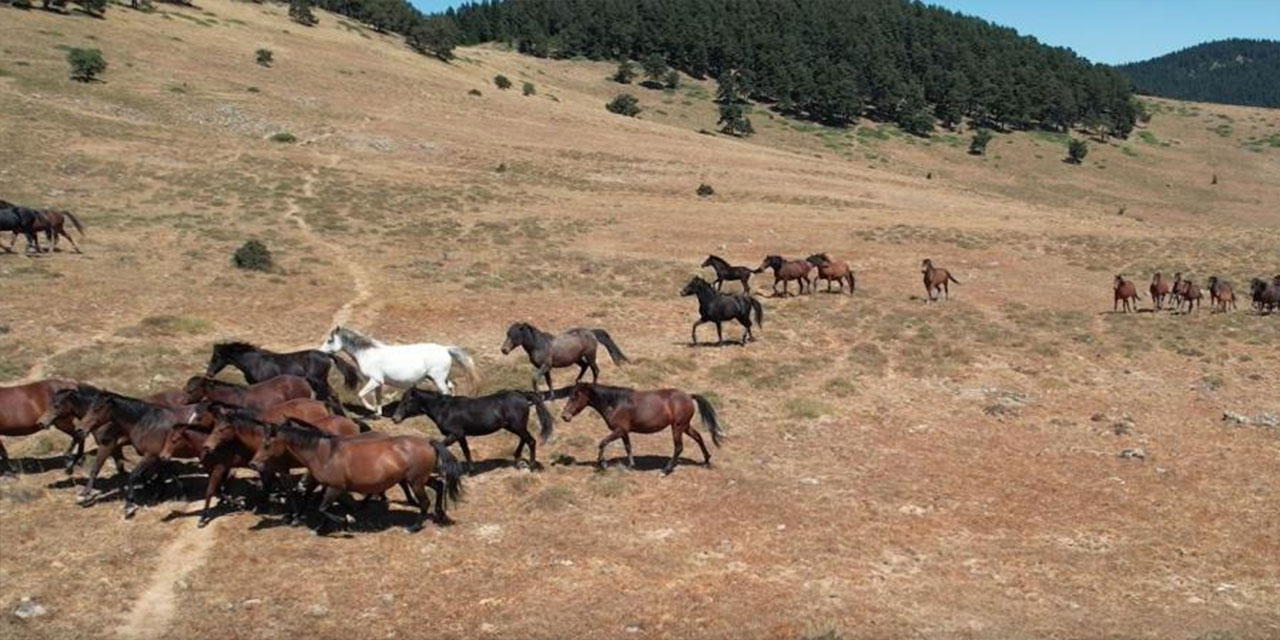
(24, 409)
(785, 271)
(1221, 297)
(547, 351)
(1189, 294)
(626, 411)
(369, 464)
(832, 271)
(70, 404)
(260, 396)
(1125, 291)
(936, 280)
(1160, 287)
(726, 271)
(1175, 290)
(54, 227)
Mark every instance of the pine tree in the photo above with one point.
(435, 37)
(1077, 150)
(300, 12)
(655, 67)
(626, 72)
(734, 121)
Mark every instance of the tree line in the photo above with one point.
(829, 60)
(1235, 71)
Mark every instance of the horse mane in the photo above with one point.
(715, 258)
(610, 394)
(141, 413)
(356, 339)
(301, 434)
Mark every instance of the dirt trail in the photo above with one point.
(155, 606)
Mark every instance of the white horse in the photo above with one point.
(399, 365)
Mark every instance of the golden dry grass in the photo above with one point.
(893, 469)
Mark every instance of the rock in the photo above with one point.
(1231, 416)
(1098, 417)
(1266, 419)
(250, 603)
(486, 627)
(1122, 428)
(317, 611)
(28, 609)
(1134, 454)
(387, 598)
(809, 481)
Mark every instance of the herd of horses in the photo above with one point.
(1184, 295)
(30, 222)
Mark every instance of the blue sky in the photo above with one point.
(1111, 31)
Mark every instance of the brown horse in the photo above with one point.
(69, 405)
(547, 351)
(832, 271)
(936, 280)
(54, 227)
(1160, 287)
(626, 411)
(370, 464)
(24, 410)
(260, 396)
(785, 271)
(1125, 291)
(144, 425)
(1221, 297)
(1175, 290)
(1188, 294)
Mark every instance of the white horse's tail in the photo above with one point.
(468, 365)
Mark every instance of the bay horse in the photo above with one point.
(260, 396)
(725, 271)
(1175, 290)
(832, 271)
(936, 280)
(22, 220)
(1221, 297)
(626, 411)
(24, 410)
(1125, 291)
(131, 421)
(399, 365)
(785, 271)
(547, 351)
(458, 417)
(1189, 294)
(259, 364)
(1160, 287)
(719, 307)
(70, 404)
(369, 464)
(54, 227)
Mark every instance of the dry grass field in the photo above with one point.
(894, 469)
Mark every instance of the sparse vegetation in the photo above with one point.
(253, 256)
(625, 73)
(502, 82)
(705, 190)
(86, 64)
(733, 120)
(301, 13)
(474, 92)
(624, 104)
(1077, 150)
(284, 137)
(264, 57)
(978, 145)
(529, 89)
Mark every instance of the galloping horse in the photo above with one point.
(1221, 297)
(23, 411)
(785, 271)
(1175, 290)
(718, 307)
(369, 464)
(1189, 294)
(399, 365)
(72, 403)
(54, 227)
(725, 271)
(457, 417)
(259, 364)
(21, 220)
(1160, 287)
(1125, 291)
(547, 351)
(628, 411)
(260, 396)
(1266, 295)
(936, 280)
(832, 271)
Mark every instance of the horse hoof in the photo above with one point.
(414, 528)
(129, 511)
(202, 523)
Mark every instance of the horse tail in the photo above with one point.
(468, 365)
(350, 375)
(544, 417)
(447, 467)
(952, 278)
(74, 221)
(853, 283)
(755, 305)
(708, 415)
(607, 341)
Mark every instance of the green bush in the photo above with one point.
(672, 79)
(300, 12)
(1076, 151)
(86, 64)
(529, 89)
(284, 136)
(705, 190)
(264, 57)
(626, 72)
(978, 146)
(502, 82)
(624, 104)
(253, 256)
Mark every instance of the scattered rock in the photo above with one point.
(1134, 454)
(486, 627)
(28, 609)
(809, 481)
(250, 603)
(1098, 417)
(1266, 419)
(387, 598)
(317, 611)
(1122, 427)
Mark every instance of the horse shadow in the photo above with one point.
(644, 463)
(705, 345)
(35, 466)
(361, 516)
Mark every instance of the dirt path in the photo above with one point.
(155, 606)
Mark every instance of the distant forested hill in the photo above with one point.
(829, 60)
(1233, 71)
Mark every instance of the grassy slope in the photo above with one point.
(892, 466)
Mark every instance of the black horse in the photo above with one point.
(719, 307)
(21, 220)
(458, 417)
(547, 352)
(260, 364)
(726, 271)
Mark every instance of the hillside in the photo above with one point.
(893, 468)
(1234, 71)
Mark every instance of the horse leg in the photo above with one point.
(142, 467)
(745, 287)
(330, 494)
(582, 371)
(409, 497)
(695, 330)
(697, 437)
(526, 439)
(675, 455)
(626, 444)
(604, 442)
(745, 321)
(466, 453)
(420, 499)
(718, 284)
(7, 469)
(442, 519)
(66, 235)
(369, 386)
(105, 450)
(719, 333)
(216, 477)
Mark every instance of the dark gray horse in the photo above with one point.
(22, 220)
(719, 307)
(547, 352)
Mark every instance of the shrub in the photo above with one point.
(21, 4)
(474, 92)
(655, 67)
(1076, 151)
(626, 72)
(672, 79)
(529, 89)
(253, 256)
(93, 7)
(705, 190)
(300, 12)
(734, 120)
(624, 104)
(264, 57)
(284, 136)
(86, 64)
(978, 146)
(502, 82)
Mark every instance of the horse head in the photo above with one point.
(770, 261)
(927, 265)
(579, 398)
(333, 343)
(819, 259)
(517, 336)
(695, 285)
